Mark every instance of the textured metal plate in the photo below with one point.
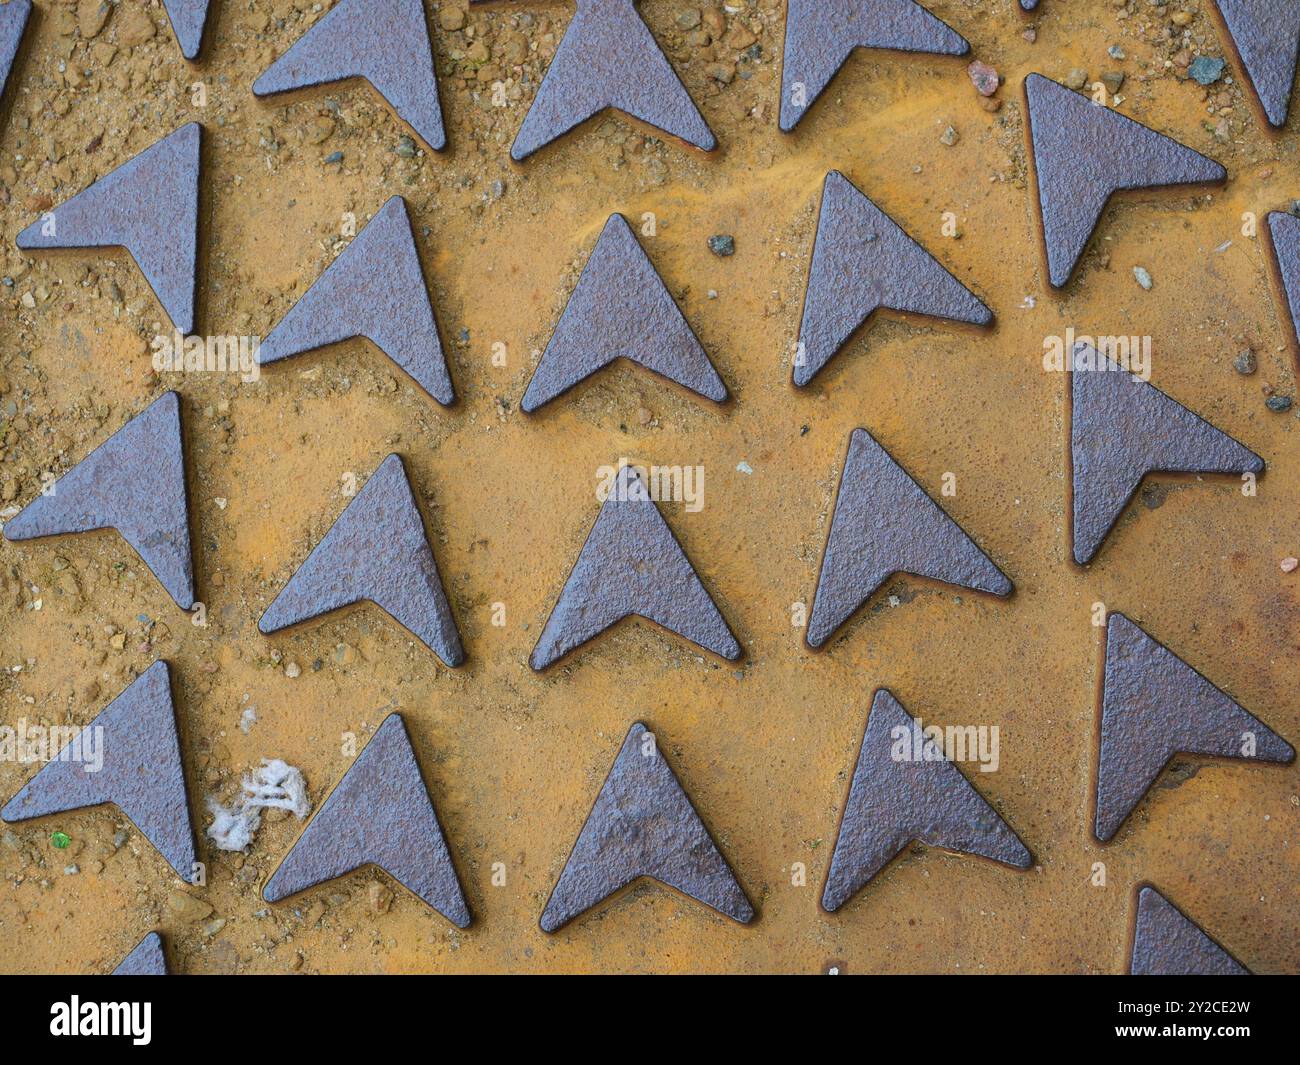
(643, 824)
(374, 289)
(376, 551)
(1121, 429)
(188, 18)
(1266, 35)
(1153, 706)
(147, 959)
(379, 814)
(1083, 154)
(141, 773)
(149, 206)
(13, 23)
(884, 523)
(621, 310)
(821, 34)
(1166, 942)
(134, 482)
(384, 41)
(631, 564)
(609, 58)
(892, 803)
(1284, 229)
(862, 262)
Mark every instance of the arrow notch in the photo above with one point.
(621, 310)
(134, 482)
(129, 755)
(862, 262)
(1153, 706)
(631, 565)
(884, 523)
(379, 814)
(374, 289)
(893, 802)
(643, 824)
(377, 552)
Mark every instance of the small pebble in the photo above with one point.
(722, 244)
(1076, 79)
(1143, 277)
(1245, 363)
(1289, 564)
(950, 136)
(1205, 70)
(983, 77)
(1278, 404)
(293, 670)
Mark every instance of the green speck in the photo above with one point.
(60, 839)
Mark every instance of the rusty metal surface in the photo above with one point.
(621, 310)
(148, 205)
(384, 41)
(892, 803)
(141, 773)
(1166, 942)
(381, 814)
(133, 482)
(1154, 705)
(1083, 154)
(643, 824)
(147, 959)
(609, 58)
(376, 551)
(1266, 36)
(1121, 429)
(1284, 229)
(13, 23)
(188, 18)
(862, 262)
(631, 564)
(374, 289)
(885, 523)
(820, 35)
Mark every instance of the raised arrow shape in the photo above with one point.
(609, 58)
(1266, 35)
(13, 22)
(384, 41)
(188, 18)
(150, 206)
(1083, 154)
(631, 565)
(1166, 942)
(134, 482)
(135, 735)
(1285, 232)
(643, 824)
(1153, 706)
(884, 523)
(821, 34)
(374, 289)
(379, 814)
(147, 959)
(621, 310)
(376, 551)
(893, 802)
(862, 262)
(1121, 429)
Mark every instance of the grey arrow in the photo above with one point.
(631, 565)
(147, 959)
(1154, 705)
(188, 18)
(384, 41)
(621, 310)
(862, 262)
(141, 771)
(643, 824)
(13, 23)
(374, 289)
(134, 482)
(894, 802)
(150, 206)
(376, 551)
(1121, 429)
(1285, 232)
(1266, 35)
(1166, 942)
(379, 814)
(884, 523)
